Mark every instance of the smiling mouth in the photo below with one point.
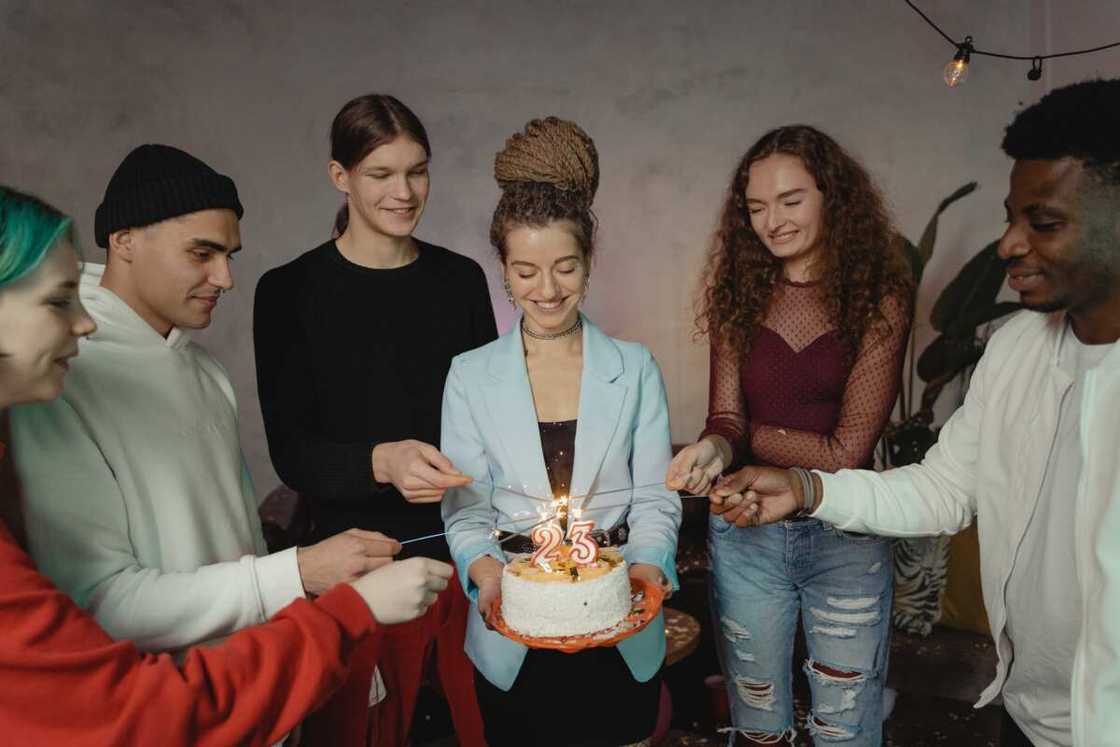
(781, 238)
(401, 211)
(1020, 281)
(549, 305)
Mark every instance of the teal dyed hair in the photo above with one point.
(29, 227)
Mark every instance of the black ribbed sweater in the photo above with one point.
(349, 357)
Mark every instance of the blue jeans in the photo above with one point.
(841, 584)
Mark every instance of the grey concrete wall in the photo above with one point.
(672, 92)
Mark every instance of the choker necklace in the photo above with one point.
(538, 336)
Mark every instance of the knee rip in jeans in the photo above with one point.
(755, 693)
(850, 685)
(844, 612)
(830, 732)
(764, 737)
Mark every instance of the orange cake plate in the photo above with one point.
(645, 602)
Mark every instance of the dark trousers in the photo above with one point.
(588, 699)
(1010, 735)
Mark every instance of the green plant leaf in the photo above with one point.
(929, 235)
(975, 287)
(948, 356)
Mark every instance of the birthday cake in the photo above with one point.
(561, 597)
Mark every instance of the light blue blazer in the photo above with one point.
(490, 431)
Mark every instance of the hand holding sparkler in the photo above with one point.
(404, 590)
(418, 470)
(696, 468)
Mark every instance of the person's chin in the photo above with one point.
(50, 389)
(398, 228)
(1044, 304)
(195, 322)
(550, 325)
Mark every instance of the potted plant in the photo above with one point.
(960, 315)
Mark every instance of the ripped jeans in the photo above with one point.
(841, 584)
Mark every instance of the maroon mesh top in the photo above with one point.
(794, 400)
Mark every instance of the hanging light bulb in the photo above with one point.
(957, 70)
(1036, 69)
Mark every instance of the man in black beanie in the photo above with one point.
(170, 225)
(165, 546)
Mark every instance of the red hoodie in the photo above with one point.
(63, 681)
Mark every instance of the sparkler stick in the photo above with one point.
(506, 528)
(511, 490)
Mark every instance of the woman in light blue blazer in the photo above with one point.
(556, 407)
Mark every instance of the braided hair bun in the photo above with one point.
(548, 173)
(550, 151)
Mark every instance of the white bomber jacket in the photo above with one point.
(989, 461)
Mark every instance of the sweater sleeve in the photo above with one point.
(869, 397)
(727, 407)
(78, 531)
(305, 461)
(65, 681)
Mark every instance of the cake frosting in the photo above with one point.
(566, 598)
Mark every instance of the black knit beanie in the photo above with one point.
(157, 182)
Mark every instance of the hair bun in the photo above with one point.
(550, 151)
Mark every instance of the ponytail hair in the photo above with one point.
(364, 124)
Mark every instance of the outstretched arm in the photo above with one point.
(253, 689)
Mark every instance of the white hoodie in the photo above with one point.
(138, 502)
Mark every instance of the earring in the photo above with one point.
(509, 293)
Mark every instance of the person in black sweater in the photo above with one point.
(353, 343)
(351, 359)
(355, 337)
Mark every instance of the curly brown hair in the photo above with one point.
(862, 262)
(547, 173)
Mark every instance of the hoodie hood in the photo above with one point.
(116, 321)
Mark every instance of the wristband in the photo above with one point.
(808, 490)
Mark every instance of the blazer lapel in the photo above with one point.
(601, 397)
(509, 400)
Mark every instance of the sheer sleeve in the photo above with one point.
(727, 407)
(869, 398)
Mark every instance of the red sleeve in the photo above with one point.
(869, 398)
(727, 408)
(64, 681)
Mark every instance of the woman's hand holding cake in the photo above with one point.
(651, 573)
(486, 573)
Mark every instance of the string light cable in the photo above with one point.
(956, 71)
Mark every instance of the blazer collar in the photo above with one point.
(510, 399)
(601, 357)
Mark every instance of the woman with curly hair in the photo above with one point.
(806, 305)
(556, 407)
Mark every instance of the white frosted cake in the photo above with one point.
(569, 599)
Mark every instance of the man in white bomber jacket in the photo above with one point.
(1034, 452)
